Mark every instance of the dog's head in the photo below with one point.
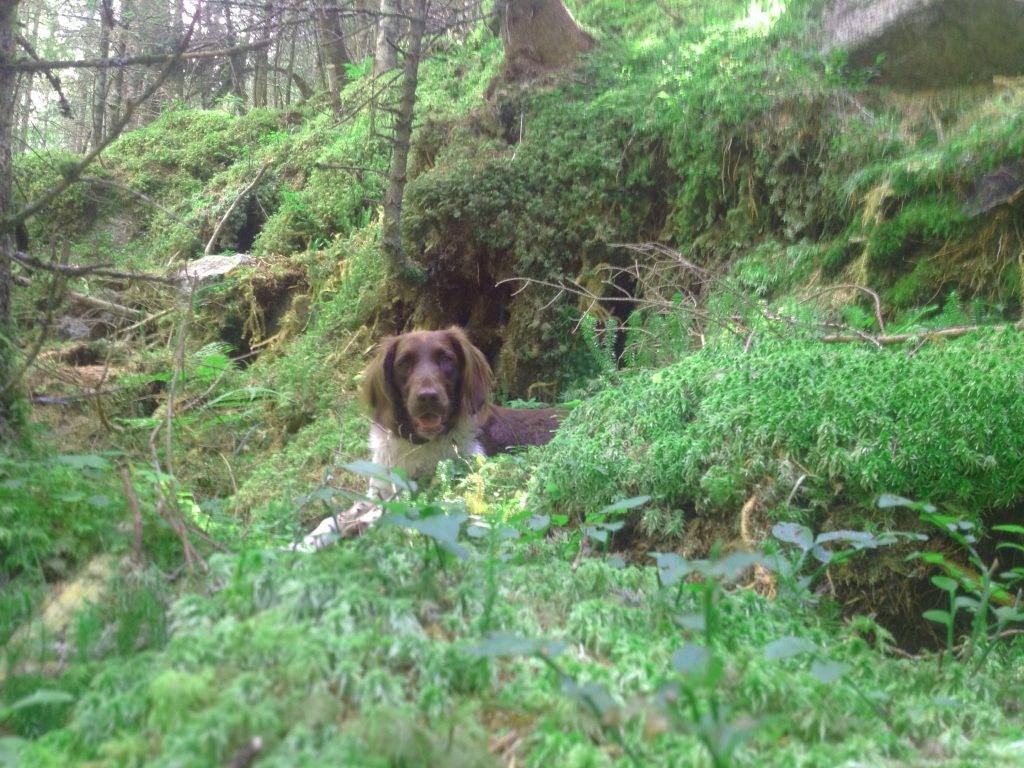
(420, 384)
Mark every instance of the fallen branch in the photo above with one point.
(234, 203)
(80, 270)
(92, 302)
(903, 338)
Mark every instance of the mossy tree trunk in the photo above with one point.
(540, 36)
(392, 222)
(9, 401)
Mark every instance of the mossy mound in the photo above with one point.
(806, 427)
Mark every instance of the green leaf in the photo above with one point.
(694, 622)
(794, 533)
(538, 522)
(671, 567)
(945, 583)
(82, 461)
(378, 472)
(691, 658)
(827, 671)
(787, 647)
(939, 617)
(43, 696)
(624, 505)
(501, 644)
(1018, 529)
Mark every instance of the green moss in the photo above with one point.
(833, 425)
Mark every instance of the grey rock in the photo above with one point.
(73, 329)
(929, 43)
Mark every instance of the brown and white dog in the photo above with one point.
(428, 393)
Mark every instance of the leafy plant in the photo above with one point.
(978, 588)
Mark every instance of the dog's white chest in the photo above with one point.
(390, 450)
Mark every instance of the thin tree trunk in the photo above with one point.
(99, 94)
(291, 68)
(26, 84)
(392, 222)
(120, 52)
(335, 54)
(385, 57)
(261, 62)
(237, 62)
(10, 421)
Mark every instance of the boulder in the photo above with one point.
(929, 43)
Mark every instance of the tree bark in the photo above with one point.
(120, 52)
(261, 61)
(99, 93)
(236, 63)
(392, 221)
(540, 36)
(385, 57)
(335, 54)
(10, 412)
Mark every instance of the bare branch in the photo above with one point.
(38, 65)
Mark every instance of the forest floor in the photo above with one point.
(780, 526)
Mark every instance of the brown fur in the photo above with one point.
(407, 366)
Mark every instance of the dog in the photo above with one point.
(429, 398)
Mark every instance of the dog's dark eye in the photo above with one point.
(445, 362)
(404, 362)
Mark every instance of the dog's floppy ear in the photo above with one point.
(477, 378)
(378, 385)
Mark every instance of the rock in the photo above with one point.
(1003, 186)
(214, 265)
(929, 43)
(73, 329)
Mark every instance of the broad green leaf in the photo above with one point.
(624, 505)
(691, 658)
(538, 522)
(945, 583)
(692, 621)
(378, 472)
(671, 567)
(504, 644)
(827, 671)
(939, 617)
(794, 533)
(787, 647)
(82, 461)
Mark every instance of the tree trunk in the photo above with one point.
(540, 36)
(99, 93)
(236, 61)
(392, 222)
(386, 55)
(26, 84)
(261, 61)
(120, 51)
(10, 421)
(335, 54)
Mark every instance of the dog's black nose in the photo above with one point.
(428, 397)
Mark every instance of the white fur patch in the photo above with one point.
(416, 461)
